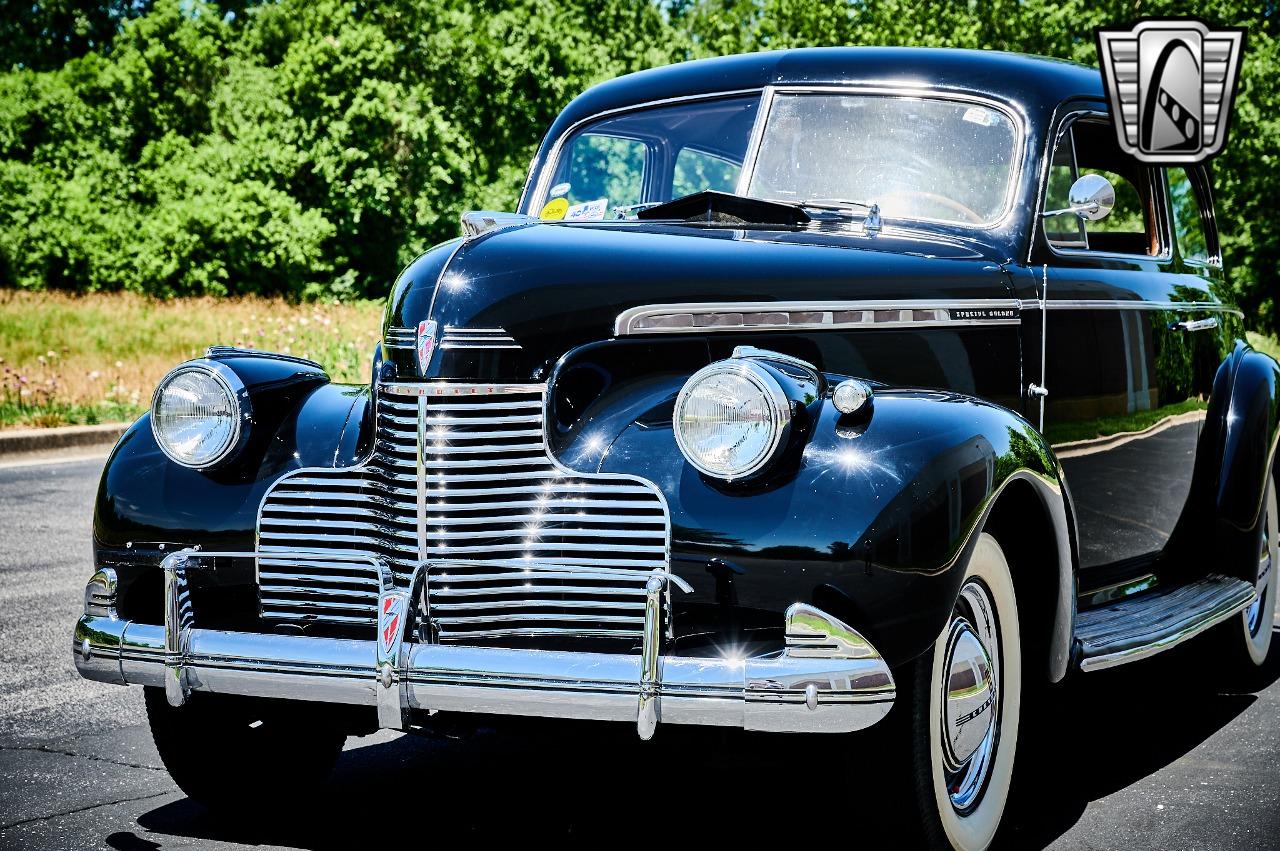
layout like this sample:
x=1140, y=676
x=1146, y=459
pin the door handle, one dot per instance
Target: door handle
x=1193, y=325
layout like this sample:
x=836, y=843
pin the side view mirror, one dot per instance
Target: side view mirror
x=1091, y=198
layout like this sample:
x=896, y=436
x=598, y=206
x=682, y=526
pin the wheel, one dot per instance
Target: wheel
x=1245, y=642
x=239, y=754
x=1256, y=625
x=966, y=698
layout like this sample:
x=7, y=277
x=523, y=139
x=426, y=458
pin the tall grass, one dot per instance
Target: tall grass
x=96, y=358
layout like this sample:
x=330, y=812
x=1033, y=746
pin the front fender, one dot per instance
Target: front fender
x=147, y=505
x=873, y=521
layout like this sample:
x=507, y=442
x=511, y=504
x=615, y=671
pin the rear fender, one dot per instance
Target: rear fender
x=1236, y=454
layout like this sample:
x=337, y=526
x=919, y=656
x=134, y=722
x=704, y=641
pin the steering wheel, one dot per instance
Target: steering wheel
x=970, y=215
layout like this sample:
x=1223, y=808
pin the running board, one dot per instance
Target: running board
x=1141, y=626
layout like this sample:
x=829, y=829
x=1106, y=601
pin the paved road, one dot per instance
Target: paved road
x=1141, y=757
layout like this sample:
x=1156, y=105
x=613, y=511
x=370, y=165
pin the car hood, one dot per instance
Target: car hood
x=528, y=294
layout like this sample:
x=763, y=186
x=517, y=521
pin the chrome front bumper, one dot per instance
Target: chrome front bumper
x=828, y=679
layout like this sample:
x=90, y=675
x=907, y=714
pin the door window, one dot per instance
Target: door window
x=1089, y=147
x=697, y=171
x=1188, y=224
x=603, y=166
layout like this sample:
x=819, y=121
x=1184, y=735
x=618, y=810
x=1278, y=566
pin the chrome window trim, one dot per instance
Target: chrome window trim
x=1163, y=214
x=767, y=94
x=626, y=320
x=538, y=196
x=1214, y=260
x=1020, y=148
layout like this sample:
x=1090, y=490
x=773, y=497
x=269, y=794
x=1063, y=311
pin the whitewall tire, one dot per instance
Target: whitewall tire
x=1256, y=623
x=967, y=694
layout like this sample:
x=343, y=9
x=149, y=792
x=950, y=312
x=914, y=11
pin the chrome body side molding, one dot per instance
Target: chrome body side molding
x=710, y=317
x=699, y=318
x=828, y=678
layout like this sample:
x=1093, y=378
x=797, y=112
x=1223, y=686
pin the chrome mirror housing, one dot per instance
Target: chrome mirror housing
x=1091, y=197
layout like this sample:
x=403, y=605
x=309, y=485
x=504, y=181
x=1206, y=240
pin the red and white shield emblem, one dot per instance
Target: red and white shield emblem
x=389, y=622
x=426, y=343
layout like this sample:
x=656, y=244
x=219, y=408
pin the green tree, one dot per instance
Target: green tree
x=313, y=147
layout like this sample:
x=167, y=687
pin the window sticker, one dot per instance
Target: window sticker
x=559, y=189
x=587, y=211
x=980, y=115
x=554, y=210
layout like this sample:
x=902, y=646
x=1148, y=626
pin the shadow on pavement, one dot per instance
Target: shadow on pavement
x=597, y=783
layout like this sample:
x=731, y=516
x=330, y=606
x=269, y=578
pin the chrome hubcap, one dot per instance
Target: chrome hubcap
x=970, y=696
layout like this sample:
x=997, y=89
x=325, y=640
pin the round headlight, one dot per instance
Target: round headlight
x=196, y=413
x=730, y=418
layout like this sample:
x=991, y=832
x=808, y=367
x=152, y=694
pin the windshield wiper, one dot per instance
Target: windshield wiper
x=632, y=211
x=836, y=204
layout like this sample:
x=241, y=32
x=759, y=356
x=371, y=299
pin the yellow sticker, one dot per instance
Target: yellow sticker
x=554, y=210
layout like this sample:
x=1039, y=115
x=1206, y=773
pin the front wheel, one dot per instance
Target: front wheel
x=966, y=695
x=242, y=755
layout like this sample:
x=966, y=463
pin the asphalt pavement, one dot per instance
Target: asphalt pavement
x=1148, y=756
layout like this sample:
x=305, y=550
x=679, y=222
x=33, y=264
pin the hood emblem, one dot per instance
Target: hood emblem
x=426, y=343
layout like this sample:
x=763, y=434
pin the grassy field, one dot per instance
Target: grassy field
x=96, y=358
x=88, y=359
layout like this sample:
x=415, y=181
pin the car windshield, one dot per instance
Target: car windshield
x=923, y=158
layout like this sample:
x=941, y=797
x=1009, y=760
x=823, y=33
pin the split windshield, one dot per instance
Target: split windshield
x=924, y=158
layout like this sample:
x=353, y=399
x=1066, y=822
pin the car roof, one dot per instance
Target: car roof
x=1019, y=79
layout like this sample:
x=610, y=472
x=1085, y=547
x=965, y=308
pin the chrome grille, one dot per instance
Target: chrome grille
x=477, y=338
x=516, y=544
x=368, y=510
x=401, y=338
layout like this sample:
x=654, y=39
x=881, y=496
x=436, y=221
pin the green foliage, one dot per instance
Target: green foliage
x=1247, y=173
x=301, y=148
x=45, y=34
x=312, y=147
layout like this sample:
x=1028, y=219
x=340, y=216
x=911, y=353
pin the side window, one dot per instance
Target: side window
x=696, y=171
x=1188, y=225
x=602, y=166
x=1089, y=147
x=1066, y=230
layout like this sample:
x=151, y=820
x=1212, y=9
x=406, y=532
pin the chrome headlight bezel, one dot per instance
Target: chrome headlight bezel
x=238, y=401
x=776, y=401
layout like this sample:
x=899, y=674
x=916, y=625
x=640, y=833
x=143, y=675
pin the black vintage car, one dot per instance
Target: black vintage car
x=805, y=388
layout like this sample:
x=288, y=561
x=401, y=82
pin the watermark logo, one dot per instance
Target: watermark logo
x=1171, y=83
